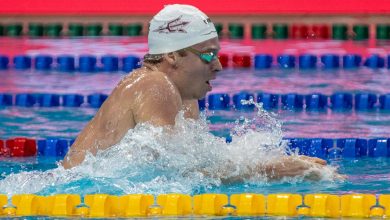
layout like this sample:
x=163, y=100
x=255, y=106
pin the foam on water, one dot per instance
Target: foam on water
x=186, y=158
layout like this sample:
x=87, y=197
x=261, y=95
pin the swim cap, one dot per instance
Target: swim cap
x=178, y=26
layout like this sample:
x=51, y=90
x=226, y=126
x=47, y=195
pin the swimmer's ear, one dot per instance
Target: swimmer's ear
x=171, y=58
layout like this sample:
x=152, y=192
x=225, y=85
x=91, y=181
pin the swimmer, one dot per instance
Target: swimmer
x=177, y=72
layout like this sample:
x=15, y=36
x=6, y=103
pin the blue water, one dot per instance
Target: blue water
x=66, y=122
x=365, y=175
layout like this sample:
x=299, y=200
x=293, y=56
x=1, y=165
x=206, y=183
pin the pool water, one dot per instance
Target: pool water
x=132, y=165
x=40, y=175
x=63, y=122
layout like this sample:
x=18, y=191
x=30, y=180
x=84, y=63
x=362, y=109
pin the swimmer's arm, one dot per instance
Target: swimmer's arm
x=291, y=166
x=288, y=166
x=107, y=128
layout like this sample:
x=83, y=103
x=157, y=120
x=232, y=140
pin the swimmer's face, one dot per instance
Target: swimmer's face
x=197, y=72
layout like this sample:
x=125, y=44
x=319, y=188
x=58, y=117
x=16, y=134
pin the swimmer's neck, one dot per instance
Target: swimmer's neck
x=160, y=67
x=149, y=66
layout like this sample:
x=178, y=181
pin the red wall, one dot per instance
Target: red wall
x=148, y=7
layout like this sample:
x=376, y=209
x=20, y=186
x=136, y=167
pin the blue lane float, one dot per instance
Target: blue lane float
x=378, y=147
x=352, y=147
x=292, y=101
x=110, y=63
x=25, y=100
x=270, y=101
x=351, y=61
x=316, y=101
x=4, y=61
x=48, y=100
x=362, y=145
x=202, y=104
x=53, y=147
x=43, y=62
x=348, y=148
x=286, y=61
x=298, y=145
x=341, y=101
x=65, y=63
x=130, y=62
x=330, y=61
x=319, y=147
x=87, y=63
x=237, y=101
x=307, y=61
x=374, y=61
x=219, y=101
x=384, y=101
x=228, y=139
x=365, y=101
x=96, y=100
x=316, y=147
x=263, y=61
x=5, y=99
x=388, y=61
x=72, y=100
x=22, y=62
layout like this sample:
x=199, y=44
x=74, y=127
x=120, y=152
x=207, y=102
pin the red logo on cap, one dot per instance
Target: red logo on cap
x=176, y=25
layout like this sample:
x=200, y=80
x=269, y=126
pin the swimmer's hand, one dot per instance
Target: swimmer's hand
x=291, y=166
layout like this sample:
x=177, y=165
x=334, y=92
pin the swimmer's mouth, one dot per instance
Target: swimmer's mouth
x=208, y=81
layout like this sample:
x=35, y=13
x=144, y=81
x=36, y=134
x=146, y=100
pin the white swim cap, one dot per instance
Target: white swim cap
x=178, y=26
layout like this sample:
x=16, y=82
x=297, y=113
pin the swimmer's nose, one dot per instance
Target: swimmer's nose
x=216, y=65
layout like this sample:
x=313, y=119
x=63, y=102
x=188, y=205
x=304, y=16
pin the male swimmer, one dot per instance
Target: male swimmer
x=178, y=70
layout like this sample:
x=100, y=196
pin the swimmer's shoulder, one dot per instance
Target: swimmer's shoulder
x=140, y=76
x=144, y=78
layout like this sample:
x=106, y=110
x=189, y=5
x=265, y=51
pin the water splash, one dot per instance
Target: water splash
x=185, y=158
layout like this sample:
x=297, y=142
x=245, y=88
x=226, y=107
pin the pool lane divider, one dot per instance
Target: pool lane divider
x=112, y=63
x=67, y=63
x=340, y=101
x=52, y=100
x=201, y=205
x=307, y=61
x=324, y=148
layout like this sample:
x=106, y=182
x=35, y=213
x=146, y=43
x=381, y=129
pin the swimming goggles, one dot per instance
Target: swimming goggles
x=205, y=56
